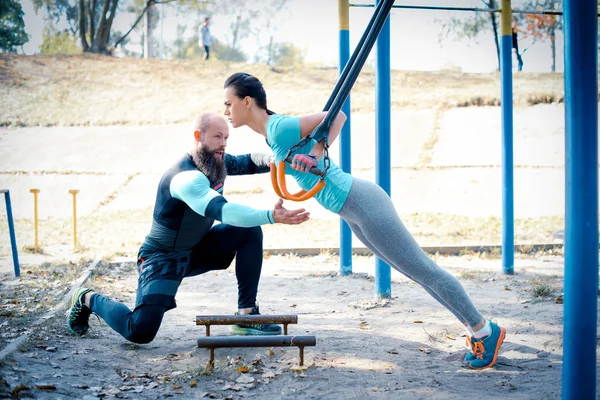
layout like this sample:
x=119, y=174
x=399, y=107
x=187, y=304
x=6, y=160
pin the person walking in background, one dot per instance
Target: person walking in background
x=206, y=38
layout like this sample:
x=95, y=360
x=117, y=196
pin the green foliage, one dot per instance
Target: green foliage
x=12, y=27
x=59, y=43
x=287, y=55
x=224, y=52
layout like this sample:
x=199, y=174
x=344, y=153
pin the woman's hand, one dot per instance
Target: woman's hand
x=304, y=162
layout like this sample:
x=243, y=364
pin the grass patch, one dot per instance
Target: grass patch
x=89, y=89
x=541, y=291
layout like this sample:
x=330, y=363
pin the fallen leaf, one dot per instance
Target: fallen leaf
x=559, y=300
x=193, y=383
x=243, y=369
x=270, y=352
x=450, y=337
x=417, y=321
x=43, y=386
x=506, y=288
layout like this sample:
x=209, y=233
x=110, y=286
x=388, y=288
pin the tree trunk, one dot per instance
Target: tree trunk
x=96, y=45
x=552, y=32
x=84, y=43
x=105, y=33
x=92, y=13
x=492, y=5
x=146, y=35
x=137, y=21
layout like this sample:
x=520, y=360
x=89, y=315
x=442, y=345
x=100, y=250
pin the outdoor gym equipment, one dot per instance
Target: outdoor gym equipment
x=35, y=216
x=11, y=230
x=333, y=106
x=213, y=342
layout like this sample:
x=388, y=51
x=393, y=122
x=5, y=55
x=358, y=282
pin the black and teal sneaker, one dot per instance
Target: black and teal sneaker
x=255, y=329
x=79, y=314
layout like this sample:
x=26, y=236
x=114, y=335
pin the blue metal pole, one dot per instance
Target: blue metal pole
x=345, y=148
x=508, y=215
x=383, y=113
x=11, y=229
x=581, y=214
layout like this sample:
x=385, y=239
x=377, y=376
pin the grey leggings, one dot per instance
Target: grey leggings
x=372, y=217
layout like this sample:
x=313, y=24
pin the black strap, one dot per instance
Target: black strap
x=345, y=83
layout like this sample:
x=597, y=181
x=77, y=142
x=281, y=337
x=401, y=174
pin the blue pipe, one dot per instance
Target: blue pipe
x=508, y=215
x=581, y=214
x=383, y=112
x=345, y=159
x=11, y=229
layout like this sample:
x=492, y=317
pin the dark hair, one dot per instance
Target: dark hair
x=244, y=85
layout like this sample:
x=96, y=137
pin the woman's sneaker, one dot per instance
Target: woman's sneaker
x=486, y=349
x=79, y=314
x=470, y=356
x=255, y=329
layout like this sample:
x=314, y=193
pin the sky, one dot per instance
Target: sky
x=313, y=26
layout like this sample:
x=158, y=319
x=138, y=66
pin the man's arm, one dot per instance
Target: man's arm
x=193, y=188
x=247, y=164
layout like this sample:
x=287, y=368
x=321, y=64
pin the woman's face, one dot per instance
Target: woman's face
x=236, y=109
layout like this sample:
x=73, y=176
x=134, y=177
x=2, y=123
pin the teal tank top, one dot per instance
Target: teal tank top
x=282, y=133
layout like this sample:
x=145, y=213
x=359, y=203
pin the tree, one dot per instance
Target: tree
x=542, y=26
x=472, y=26
x=12, y=27
x=93, y=19
x=286, y=55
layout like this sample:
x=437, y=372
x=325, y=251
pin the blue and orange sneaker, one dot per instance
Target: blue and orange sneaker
x=470, y=356
x=486, y=349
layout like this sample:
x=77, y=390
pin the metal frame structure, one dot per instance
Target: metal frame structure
x=581, y=169
x=11, y=230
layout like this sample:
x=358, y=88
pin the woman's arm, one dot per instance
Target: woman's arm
x=309, y=122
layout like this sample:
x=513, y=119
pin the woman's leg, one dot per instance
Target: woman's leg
x=357, y=231
x=371, y=209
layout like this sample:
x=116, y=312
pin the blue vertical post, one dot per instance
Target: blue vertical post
x=383, y=111
x=11, y=230
x=508, y=214
x=581, y=214
x=344, y=139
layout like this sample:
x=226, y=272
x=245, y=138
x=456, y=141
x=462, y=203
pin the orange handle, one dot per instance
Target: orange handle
x=282, y=187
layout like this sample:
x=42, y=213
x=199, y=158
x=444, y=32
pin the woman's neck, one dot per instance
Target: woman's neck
x=258, y=122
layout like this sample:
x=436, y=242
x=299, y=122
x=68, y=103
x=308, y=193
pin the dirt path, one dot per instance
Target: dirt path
x=408, y=347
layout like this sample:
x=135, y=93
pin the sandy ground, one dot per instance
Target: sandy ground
x=408, y=347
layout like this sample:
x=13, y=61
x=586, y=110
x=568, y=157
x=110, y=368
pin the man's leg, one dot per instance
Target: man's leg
x=206, y=52
x=216, y=251
x=157, y=286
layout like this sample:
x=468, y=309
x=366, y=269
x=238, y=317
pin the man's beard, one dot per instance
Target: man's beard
x=214, y=168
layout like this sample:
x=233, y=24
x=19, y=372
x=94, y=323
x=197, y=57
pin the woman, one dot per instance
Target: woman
x=366, y=208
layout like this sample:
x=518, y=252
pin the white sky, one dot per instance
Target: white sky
x=313, y=25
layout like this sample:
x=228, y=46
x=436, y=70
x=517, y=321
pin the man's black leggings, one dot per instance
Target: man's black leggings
x=160, y=278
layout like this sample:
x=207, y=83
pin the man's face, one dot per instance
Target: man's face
x=210, y=152
x=214, y=139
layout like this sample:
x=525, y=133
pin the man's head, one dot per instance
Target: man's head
x=206, y=21
x=210, y=140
